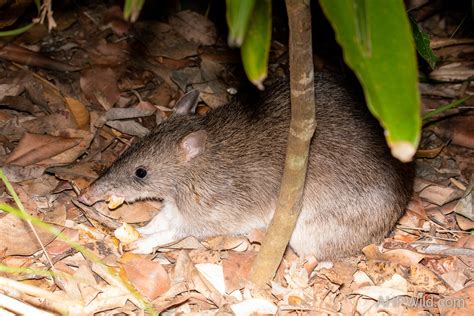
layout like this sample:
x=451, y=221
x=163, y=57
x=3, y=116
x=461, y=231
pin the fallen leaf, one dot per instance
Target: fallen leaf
x=254, y=306
x=194, y=27
x=79, y=112
x=236, y=268
x=422, y=279
x=147, y=276
x=16, y=238
x=464, y=223
x=440, y=195
x=380, y=293
x=34, y=148
x=455, y=279
x=100, y=86
x=226, y=243
x=128, y=113
x=129, y=127
x=214, y=275
x=458, y=303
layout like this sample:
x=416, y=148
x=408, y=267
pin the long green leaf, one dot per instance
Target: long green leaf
x=238, y=13
x=132, y=9
x=422, y=44
x=256, y=45
x=378, y=45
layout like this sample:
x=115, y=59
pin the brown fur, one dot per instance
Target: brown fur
x=354, y=194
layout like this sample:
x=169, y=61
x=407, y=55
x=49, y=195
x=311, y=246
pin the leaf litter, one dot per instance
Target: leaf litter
x=73, y=100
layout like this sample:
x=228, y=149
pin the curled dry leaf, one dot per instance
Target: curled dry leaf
x=79, y=112
x=147, y=276
x=34, y=148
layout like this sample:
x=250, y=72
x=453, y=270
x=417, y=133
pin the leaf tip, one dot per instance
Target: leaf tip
x=403, y=150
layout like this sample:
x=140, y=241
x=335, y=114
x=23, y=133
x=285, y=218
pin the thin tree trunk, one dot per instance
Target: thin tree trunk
x=302, y=128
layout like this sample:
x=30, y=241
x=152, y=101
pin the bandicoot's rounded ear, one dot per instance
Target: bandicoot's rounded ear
x=187, y=104
x=193, y=144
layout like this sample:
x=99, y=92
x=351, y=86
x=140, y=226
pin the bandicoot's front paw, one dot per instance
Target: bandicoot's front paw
x=144, y=246
x=148, y=243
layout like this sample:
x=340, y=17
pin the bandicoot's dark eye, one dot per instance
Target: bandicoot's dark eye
x=140, y=172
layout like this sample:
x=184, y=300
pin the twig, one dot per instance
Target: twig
x=19, y=307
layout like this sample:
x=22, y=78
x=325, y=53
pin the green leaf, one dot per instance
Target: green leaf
x=132, y=8
x=17, y=31
x=256, y=45
x=422, y=44
x=443, y=108
x=238, y=13
x=378, y=45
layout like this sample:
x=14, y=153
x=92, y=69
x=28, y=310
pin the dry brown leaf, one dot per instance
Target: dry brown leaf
x=100, y=86
x=164, y=41
x=459, y=129
x=464, y=223
x=226, y=243
x=34, y=148
x=466, y=242
x=79, y=112
x=73, y=153
x=194, y=27
x=236, y=269
x=128, y=113
x=49, y=124
x=455, y=279
x=16, y=238
x=422, y=279
x=58, y=247
x=147, y=276
x=459, y=303
x=440, y=195
x=379, y=271
x=137, y=212
x=129, y=127
x=22, y=173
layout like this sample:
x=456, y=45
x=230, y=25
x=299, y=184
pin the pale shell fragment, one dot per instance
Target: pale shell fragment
x=126, y=233
x=115, y=201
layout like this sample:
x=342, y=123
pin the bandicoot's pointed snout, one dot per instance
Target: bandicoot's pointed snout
x=85, y=198
x=89, y=196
